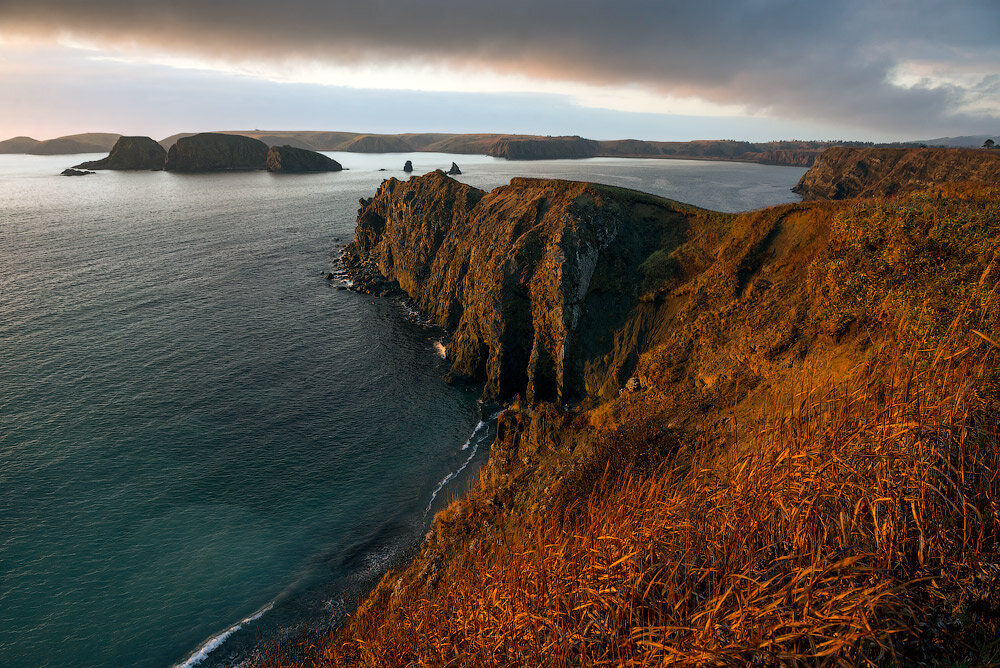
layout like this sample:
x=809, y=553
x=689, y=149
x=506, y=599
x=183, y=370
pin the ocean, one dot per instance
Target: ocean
x=204, y=444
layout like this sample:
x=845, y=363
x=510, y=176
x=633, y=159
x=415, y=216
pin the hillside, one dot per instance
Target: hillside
x=841, y=172
x=91, y=142
x=767, y=437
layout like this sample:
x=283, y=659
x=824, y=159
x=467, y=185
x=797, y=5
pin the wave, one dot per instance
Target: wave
x=479, y=434
x=211, y=644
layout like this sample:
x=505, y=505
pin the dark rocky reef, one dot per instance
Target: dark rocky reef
x=543, y=148
x=533, y=278
x=214, y=152
x=292, y=160
x=131, y=153
x=841, y=172
x=75, y=172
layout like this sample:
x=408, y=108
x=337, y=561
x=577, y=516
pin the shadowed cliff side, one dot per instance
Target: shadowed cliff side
x=534, y=278
x=840, y=172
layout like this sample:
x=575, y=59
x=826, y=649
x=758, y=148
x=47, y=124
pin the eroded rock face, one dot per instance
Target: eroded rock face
x=214, y=152
x=131, y=153
x=840, y=172
x=292, y=160
x=532, y=277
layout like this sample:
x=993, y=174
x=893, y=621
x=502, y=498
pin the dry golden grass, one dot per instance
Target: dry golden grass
x=856, y=528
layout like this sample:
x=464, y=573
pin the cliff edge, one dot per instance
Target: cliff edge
x=841, y=172
x=533, y=277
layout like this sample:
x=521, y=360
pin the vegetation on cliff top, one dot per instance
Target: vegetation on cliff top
x=803, y=473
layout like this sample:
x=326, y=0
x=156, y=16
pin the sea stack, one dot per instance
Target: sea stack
x=131, y=153
x=291, y=160
x=214, y=152
x=454, y=171
x=407, y=166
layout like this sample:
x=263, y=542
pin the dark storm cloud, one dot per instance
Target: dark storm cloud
x=819, y=60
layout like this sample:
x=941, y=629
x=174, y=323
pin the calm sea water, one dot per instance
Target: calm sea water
x=197, y=431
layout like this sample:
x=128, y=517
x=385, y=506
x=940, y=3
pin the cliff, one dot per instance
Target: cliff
x=786, y=451
x=841, y=172
x=532, y=277
x=291, y=160
x=131, y=153
x=214, y=152
x=515, y=147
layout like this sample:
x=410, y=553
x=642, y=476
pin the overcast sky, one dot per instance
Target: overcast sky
x=658, y=69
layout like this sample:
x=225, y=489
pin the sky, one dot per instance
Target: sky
x=759, y=70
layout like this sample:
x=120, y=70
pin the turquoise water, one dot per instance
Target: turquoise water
x=196, y=427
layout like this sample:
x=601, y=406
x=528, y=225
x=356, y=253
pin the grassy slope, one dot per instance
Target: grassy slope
x=806, y=472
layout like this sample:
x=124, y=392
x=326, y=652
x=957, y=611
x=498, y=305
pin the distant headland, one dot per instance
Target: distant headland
x=799, y=153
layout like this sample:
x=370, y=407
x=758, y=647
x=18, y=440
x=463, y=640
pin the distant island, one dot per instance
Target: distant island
x=211, y=152
x=798, y=153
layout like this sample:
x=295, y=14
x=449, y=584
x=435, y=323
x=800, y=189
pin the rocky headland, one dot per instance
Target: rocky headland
x=292, y=160
x=215, y=152
x=131, y=153
x=699, y=404
x=840, y=172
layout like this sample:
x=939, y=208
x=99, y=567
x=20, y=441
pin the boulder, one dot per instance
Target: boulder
x=292, y=160
x=214, y=152
x=131, y=153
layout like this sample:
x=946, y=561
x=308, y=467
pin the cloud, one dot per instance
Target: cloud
x=836, y=61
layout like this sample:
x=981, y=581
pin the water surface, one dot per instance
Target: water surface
x=196, y=427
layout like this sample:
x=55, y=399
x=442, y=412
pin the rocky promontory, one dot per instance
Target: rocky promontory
x=841, y=172
x=533, y=278
x=215, y=152
x=515, y=147
x=131, y=153
x=292, y=160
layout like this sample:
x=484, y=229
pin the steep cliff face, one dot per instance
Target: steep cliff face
x=291, y=160
x=534, y=278
x=543, y=148
x=841, y=172
x=214, y=152
x=131, y=153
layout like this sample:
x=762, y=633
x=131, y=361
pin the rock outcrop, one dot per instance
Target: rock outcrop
x=131, y=153
x=214, y=152
x=516, y=147
x=75, y=172
x=291, y=160
x=841, y=172
x=454, y=171
x=532, y=277
x=408, y=166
